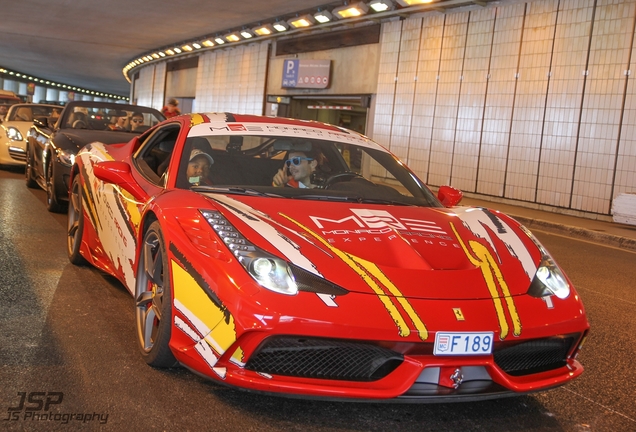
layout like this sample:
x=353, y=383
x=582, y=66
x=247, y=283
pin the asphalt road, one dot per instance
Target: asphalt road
x=67, y=344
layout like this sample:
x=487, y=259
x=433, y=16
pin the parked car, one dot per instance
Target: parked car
x=7, y=98
x=52, y=145
x=360, y=284
x=14, y=129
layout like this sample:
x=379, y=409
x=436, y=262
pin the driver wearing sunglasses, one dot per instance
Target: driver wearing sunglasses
x=297, y=172
x=136, y=120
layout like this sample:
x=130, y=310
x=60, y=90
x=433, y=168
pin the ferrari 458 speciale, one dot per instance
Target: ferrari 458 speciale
x=351, y=280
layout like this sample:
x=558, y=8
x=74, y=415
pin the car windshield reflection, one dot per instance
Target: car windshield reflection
x=308, y=169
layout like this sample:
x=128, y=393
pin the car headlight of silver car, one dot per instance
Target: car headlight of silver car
x=67, y=157
x=14, y=134
x=267, y=270
x=549, y=279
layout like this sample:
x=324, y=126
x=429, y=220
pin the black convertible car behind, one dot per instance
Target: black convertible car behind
x=52, y=143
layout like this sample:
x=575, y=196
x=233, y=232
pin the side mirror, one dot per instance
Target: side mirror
x=42, y=122
x=118, y=173
x=449, y=196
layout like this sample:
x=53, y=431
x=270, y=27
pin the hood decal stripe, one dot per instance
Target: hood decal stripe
x=373, y=276
x=480, y=256
x=256, y=220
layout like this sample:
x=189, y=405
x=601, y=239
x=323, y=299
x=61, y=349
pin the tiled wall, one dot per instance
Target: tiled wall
x=227, y=80
x=529, y=101
x=150, y=86
x=232, y=80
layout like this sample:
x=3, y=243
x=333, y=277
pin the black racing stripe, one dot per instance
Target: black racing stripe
x=199, y=279
x=242, y=213
x=496, y=221
x=125, y=215
x=90, y=198
x=230, y=117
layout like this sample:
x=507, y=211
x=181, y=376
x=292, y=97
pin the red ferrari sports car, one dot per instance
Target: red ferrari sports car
x=300, y=258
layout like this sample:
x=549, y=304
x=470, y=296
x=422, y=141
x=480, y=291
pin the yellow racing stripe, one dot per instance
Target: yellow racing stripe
x=202, y=312
x=492, y=275
x=196, y=119
x=368, y=271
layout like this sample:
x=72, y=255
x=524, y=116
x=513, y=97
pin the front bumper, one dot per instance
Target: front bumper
x=418, y=376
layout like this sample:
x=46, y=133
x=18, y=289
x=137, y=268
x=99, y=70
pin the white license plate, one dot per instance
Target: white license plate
x=463, y=343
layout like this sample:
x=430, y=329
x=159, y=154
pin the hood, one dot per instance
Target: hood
x=416, y=252
x=75, y=139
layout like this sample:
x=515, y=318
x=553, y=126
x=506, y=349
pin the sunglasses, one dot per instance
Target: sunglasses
x=137, y=121
x=296, y=160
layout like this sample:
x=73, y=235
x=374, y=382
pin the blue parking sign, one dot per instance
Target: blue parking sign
x=290, y=73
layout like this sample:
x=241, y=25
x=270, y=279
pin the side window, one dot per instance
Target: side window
x=153, y=157
x=196, y=163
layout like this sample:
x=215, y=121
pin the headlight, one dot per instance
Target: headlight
x=67, y=157
x=269, y=271
x=14, y=134
x=548, y=280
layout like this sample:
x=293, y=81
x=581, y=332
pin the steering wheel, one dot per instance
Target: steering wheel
x=338, y=177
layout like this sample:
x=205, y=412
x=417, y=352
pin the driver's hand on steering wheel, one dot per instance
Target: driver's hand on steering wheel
x=280, y=178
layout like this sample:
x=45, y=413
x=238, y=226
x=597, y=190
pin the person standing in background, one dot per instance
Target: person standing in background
x=171, y=109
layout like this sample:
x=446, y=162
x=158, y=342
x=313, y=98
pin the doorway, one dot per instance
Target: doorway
x=347, y=111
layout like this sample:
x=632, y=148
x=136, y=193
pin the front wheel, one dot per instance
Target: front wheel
x=52, y=203
x=153, y=300
x=75, y=224
x=28, y=170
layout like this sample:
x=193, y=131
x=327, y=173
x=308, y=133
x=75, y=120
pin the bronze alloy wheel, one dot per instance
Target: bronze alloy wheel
x=153, y=300
x=75, y=224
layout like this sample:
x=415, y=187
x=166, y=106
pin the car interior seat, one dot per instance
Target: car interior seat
x=24, y=114
x=77, y=120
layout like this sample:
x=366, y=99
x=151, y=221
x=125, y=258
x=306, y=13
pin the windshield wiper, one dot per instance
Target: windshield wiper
x=383, y=201
x=354, y=199
x=327, y=198
x=234, y=190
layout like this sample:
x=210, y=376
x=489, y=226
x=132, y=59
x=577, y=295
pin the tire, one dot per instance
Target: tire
x=28, y=171
x=52, y=204
x=75, y=224
x=153, y=300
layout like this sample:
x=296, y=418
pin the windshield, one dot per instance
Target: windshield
x=110, y=117
x=304, y=169
x=29, y=112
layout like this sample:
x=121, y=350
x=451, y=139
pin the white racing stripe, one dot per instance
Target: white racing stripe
x=263, y=225
x=476, y=220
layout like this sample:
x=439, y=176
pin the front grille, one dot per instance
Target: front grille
x=323, y=359
x=17, y=154
x=534, y=356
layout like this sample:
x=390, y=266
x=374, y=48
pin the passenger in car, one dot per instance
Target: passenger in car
x=297, y=172
x=55, y=115
x=119, y=123
x=199, y=168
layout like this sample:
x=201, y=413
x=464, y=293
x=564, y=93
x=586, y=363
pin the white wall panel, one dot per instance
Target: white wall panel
x=556, y=166
x=444, y=124
x=529, y=109
x=471, y=101
x=500, y=99
x=425, y=93
x=602, y=105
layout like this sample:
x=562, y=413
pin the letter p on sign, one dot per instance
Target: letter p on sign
x=289, y=66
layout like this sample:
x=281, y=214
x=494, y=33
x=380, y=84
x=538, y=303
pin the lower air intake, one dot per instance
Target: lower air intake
x=534, y=356
x=323, y=359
